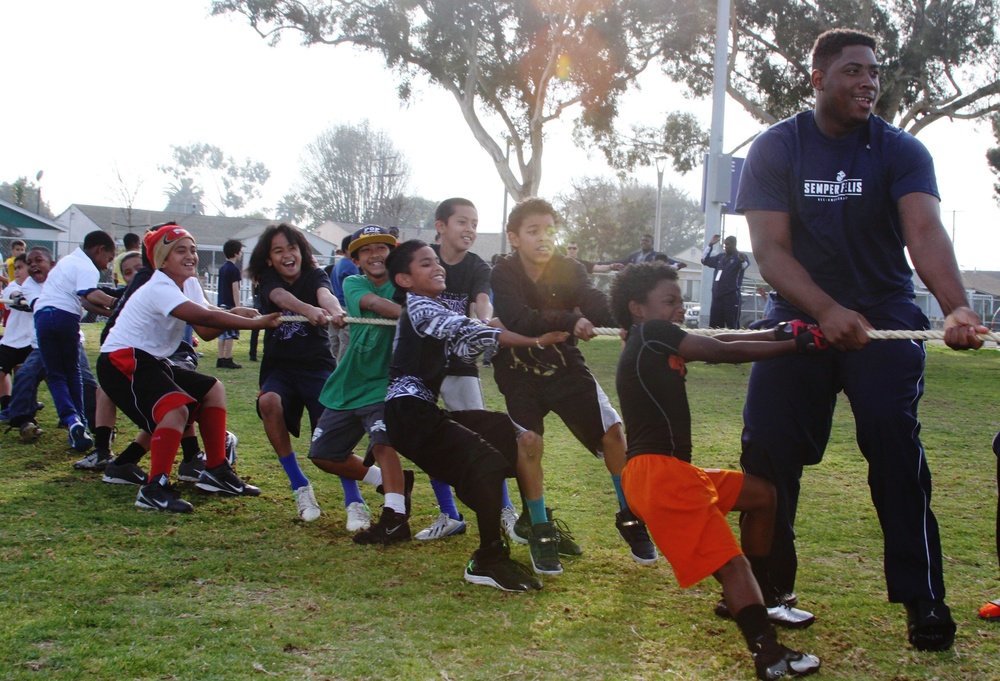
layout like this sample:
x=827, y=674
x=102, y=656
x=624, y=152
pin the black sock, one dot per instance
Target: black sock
x=759, y=567
x=102, y=438
x=753, y=623
x=189, y=447
x=4, y=401
x=133, y=454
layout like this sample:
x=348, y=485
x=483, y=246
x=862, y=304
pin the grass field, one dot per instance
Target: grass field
x=92, y=588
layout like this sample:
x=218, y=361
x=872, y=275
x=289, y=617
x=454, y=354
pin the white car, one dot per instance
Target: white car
x=691, y=316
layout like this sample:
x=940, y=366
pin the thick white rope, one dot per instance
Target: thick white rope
x=874, y=334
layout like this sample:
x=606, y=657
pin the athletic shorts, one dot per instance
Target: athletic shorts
x=338, y=432
x=298, y=389
x=146, y=388
x=458, y=448
x=462, y=393
x=574, y=395
x=11, y=358
x=684, y=508
x=230, y=334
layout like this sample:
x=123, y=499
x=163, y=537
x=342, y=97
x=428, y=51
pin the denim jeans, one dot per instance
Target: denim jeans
x=24, y=394
x=59, y=341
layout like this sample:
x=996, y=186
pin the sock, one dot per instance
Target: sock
x=133, y=454
x=753, y=623
x=446, y=502
x=189, y=447
x=4, y=401
x=212, y=425
x=758, y=565
x=295, y=475
x=352, y=494
x=536, y=510
x=102, y=438
x=616, y=480
x=373, y=476
x=505, y=495
x=163, y=451
x=396, y=501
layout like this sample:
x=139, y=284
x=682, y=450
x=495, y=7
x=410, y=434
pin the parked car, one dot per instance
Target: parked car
x=691, y=315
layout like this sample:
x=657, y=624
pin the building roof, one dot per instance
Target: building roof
x=982, y=282
x=208, y=230
x=13, y=216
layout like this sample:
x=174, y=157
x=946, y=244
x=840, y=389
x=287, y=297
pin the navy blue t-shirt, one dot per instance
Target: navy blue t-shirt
x=841, y=195
x=229, y=274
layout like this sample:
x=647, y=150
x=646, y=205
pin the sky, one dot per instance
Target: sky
x=106, y=87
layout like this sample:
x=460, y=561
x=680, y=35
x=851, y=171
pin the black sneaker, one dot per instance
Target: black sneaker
x=543, y=547
x=791, y=663
x=408, y=480
x=929, y=625
x=124, y=474
x=493, y=566
x=30, y=431
x=227, y=364
x=231, y=442
x=223, y=479
x=97, y=460
x=190, y=471
x=567, y=544
x=159, y=495
x=633, y=531
x=391, y=528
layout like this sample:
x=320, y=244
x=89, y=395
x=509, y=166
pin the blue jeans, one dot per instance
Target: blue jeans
x=59, y=341
x=24, y=395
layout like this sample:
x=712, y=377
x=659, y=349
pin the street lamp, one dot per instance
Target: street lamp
x=38, y=202
x=661, y=165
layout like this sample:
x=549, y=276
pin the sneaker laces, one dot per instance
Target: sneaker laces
x=562, y=529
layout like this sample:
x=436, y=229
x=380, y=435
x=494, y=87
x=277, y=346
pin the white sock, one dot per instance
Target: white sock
x=373, y=476
x=396, y=501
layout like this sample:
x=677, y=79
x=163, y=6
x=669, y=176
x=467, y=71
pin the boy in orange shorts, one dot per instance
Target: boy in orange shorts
x=683, y=506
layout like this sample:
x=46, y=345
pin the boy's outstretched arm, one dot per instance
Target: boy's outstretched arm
x=209, y=323
x=785, y=339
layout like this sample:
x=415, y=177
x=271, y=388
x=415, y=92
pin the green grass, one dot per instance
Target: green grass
x=93, y=588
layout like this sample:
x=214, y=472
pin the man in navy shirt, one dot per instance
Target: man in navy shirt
x=729, y=267
x=831, y=197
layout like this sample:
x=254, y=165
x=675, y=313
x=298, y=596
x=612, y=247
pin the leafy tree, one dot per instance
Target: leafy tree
x=513, y=66
x=939, y=60
x=236, y=184
x=185, y=197
x=25, y=194
x=607, y=218
x=352, y=173
x=290, y=209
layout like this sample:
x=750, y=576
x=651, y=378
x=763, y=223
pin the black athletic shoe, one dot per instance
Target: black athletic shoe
x=223, y=479
x=408, y=480
x=493, y=566
x=97, y=460
x=391, y=528
x=567, y=544
x=159, y=495
x=633, y=531
x=929, y=625
x=774, y=661
x=780, y=611
x=543, y=545
x=190, y=471
x=125, y=474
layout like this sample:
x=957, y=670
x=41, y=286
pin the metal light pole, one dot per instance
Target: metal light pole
x=661, y=165
x=38, y=202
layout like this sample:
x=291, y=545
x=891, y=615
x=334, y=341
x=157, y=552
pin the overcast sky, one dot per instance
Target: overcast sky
x=113, y=83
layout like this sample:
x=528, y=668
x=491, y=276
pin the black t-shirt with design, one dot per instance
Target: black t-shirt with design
x=295, y=345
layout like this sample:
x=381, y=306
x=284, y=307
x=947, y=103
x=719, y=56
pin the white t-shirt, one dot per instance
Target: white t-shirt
x=72, y=275
x=20, y=329
x=145, y=322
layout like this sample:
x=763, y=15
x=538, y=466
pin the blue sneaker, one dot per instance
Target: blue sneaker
x=78, y=437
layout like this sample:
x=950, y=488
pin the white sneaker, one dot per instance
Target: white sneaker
x=358, y=517
x=789, y=617
x=444, y=526
x=305, y=500
x=508, y=518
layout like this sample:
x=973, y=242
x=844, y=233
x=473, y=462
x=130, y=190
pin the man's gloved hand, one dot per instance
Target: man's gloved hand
x=808, y=337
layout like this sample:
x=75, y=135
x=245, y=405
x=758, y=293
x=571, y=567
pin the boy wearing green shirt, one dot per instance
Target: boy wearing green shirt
x=354, y=394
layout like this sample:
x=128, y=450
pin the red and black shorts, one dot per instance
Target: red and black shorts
x=145, y=388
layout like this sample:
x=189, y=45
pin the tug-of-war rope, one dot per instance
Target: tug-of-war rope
x=874, y=334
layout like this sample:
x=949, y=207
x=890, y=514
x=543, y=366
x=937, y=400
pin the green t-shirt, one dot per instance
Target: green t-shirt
x=362, y=376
